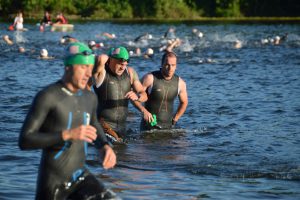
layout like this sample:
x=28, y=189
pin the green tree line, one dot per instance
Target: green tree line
x=154, y=9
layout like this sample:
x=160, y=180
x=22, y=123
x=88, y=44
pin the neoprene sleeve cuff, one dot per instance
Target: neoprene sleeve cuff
x=99, y=144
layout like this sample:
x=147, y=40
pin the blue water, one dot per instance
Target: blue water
x=239, y=137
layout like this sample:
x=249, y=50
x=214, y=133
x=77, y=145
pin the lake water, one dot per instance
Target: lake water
x=239, y=137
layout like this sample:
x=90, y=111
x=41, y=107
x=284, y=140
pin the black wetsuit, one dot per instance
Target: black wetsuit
x=113, y=106
x=161, y=100
x=62, y=172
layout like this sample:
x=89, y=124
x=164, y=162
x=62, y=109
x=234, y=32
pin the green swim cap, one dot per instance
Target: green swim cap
x=80, y=54
x=119, y=53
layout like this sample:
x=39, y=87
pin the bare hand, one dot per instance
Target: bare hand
x=84, y=133
x=102, y=59
x=147, y=116
x=110, y=158
x=132, y=96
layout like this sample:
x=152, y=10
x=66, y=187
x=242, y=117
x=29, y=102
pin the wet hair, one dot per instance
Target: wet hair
x=166, y=55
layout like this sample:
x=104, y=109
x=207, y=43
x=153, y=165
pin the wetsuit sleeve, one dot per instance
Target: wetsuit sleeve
x=101, y=138
x=30, y=136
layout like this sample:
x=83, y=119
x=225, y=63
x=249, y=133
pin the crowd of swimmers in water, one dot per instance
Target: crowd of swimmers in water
x=168, y=42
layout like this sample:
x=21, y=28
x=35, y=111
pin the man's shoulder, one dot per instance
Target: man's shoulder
x=149, y=75
x=180, y=78
x=48, y=89
x=89, y=93
x=130, y=69
x=176, y=76
x=181, y=81
x=48, y=94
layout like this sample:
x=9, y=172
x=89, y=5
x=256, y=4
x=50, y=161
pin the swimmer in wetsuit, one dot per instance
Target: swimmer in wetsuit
x=62, y=121
x=116, y=84
x=163, y=87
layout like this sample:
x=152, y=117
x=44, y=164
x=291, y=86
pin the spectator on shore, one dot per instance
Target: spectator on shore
x=61, y=19
x=18, y=22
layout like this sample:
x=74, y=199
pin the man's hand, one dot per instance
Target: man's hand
x=110, y=158
x=102, y=59
x=147, y=116
x=83, y=132
x=132, y=96
x=174, y=122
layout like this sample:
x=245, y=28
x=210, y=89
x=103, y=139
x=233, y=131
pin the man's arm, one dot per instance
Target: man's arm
x=147, y=81
x=183, y=101
x=139, y=93
x=101, y=137
x=99, y=69
x=109, y=159
x=30, y=136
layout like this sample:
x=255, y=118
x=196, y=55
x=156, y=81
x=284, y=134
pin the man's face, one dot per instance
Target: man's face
x=117, y=66
x=81, y=75
x=169, y=67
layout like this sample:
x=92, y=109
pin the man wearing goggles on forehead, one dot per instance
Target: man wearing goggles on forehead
x=115, y=84
x=62, y=121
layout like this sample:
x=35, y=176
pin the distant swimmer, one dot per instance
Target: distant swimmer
x=145, y=36
x=170, y=33
x=206, y=60
x=138, y=52
x=66, y=39
x=162, y=87
x=264, y=41
x=109, y=35
x=115, y=85
x=171, y=44
x=237, y=44
x=94, y=46
x=21, y=49
x=61, y=122
x=197, y=33
x=44, y=55
x=277, y=40
x=7, y=40
x=149, y=53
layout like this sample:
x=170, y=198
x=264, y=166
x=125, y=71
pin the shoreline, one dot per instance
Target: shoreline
x=212, y=20
x=246, y=20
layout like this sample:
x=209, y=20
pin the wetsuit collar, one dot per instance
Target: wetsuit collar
x=69, y=92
